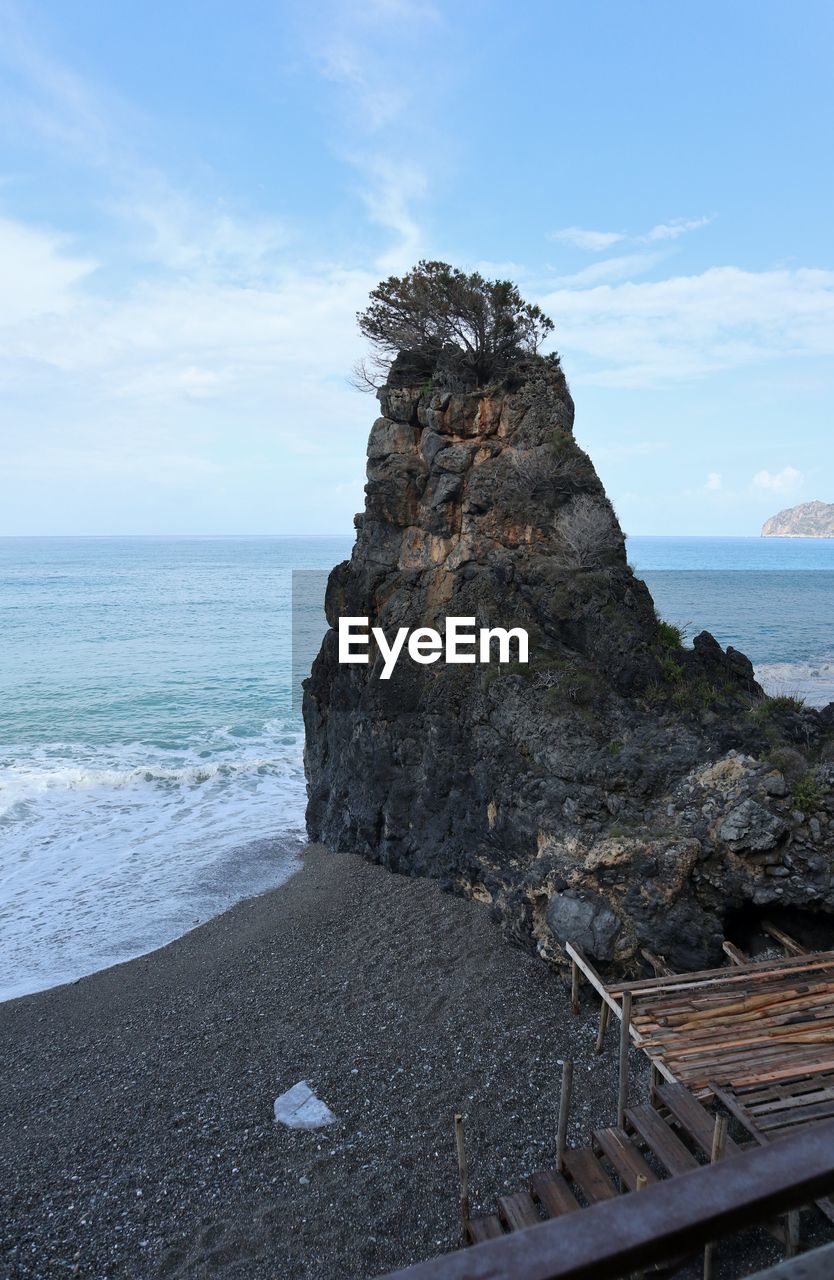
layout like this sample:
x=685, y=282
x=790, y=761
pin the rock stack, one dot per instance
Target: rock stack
x=618, y=790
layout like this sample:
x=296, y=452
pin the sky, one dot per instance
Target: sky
x=196, y=198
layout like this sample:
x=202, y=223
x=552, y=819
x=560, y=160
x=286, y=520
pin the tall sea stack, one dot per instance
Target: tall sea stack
x=619, y=790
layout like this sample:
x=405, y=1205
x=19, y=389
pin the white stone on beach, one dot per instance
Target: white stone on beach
x=299, y=1108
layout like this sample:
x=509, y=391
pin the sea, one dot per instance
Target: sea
x=151, y=767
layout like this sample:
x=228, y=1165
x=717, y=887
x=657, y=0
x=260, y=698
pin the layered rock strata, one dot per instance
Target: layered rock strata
x=620, y=790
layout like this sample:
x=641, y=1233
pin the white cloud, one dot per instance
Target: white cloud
x=788, y=480
x=372, y=53
x=624, y=267
x=177, y=232
x=391, y=189
x=597, y=241
x=713, y=482
x=684, y=327
x=677, y=227
x=581, y=238
x=37, y=272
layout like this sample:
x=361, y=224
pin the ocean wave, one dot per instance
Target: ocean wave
x=812, y=681
x=108, y=850
x=21, y=781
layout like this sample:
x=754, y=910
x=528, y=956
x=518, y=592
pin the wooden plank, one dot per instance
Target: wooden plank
x=728, y=1099
x=749, y=1008
x=755, y=1094
x=625, y=1031
x=693, y=1117
x=657, y=1135
x=813, y=1030
x=667, y=1220
x=553, y=1193
x=784, y=939
x=662, y=969
x=796, y=1115
x=589, y=1175
x=620, y=1151
x=518, y=1211
x=815, y=999
x=807, y=1058
x=780, y=1073
x=791, y=965
x=732, y=978
x=480, y=1229
x=788, y=1101
x=734, y=953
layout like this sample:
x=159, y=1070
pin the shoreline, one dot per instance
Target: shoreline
x=136, y=1114
x=294, y=864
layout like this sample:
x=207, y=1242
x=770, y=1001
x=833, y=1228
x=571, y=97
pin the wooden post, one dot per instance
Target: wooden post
x=564, y=1110
x=719, y=1138
x=792, y=1233
x=604, y=1011
x=654, y=1079
x=464, y=1177
x=625, y=1035
x=640, y=1185
x=574, y=986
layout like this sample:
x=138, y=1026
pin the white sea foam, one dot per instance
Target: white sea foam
x=811, y=681
x=108, y=853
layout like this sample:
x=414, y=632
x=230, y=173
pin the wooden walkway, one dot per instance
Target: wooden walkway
x=752, y=1024
x=656, y=1142
x=756, y=1036
x=771, y=1110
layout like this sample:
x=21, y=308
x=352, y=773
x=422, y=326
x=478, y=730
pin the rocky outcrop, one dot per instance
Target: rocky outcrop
x=620, y=789
x=808, y=520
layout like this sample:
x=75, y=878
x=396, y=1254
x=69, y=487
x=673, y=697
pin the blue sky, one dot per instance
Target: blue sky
x=196, y=198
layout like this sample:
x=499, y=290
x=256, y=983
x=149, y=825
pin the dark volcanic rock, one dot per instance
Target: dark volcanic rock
x=619, y=789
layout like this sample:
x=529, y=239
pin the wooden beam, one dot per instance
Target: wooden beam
x=719, y=1139
x=574, y=987
x=464, y=1176
x=736, y=1109
x=625, y=1028
x=735, y=954
x=577, y=954
x=604, y=1014
x=789, y=965
x=669, y=1219
x=785, y=940
x=564, y=1110
x=662, y=969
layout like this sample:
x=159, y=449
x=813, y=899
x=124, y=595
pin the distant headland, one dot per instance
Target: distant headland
x=808, y=520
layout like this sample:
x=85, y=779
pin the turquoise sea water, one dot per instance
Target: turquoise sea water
x=150, y=757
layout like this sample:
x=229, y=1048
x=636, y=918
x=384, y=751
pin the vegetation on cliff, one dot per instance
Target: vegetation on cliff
x=436, y=310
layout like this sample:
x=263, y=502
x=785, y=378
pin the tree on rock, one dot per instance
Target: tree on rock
x=484, y=324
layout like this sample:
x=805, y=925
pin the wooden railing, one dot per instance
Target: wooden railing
x=662, y=1222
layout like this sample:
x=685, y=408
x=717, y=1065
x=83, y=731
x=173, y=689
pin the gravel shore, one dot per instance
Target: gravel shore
x=136, y=1117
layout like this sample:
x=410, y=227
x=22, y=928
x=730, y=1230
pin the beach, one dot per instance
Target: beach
x=137, y=1104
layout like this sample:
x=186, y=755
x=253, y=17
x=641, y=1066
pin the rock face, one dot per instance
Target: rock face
x=620, y=790
x=808, y=520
